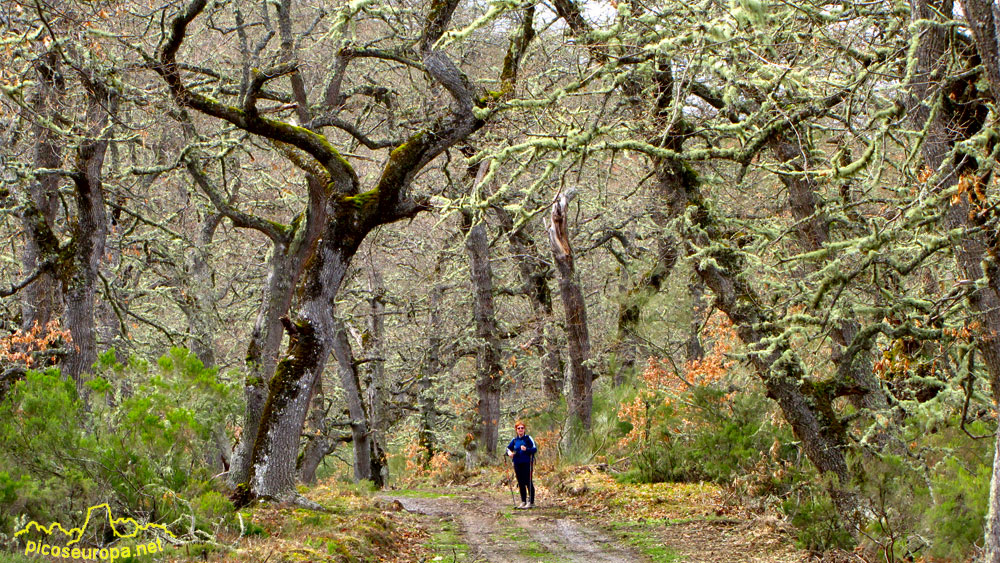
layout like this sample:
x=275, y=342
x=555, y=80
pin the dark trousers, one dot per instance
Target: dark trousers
x=524, y=482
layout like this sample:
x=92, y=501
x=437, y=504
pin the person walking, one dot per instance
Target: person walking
x=521, y=451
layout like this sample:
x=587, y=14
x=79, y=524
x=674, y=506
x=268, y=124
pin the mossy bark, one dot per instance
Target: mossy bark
x=778, y=367
x=854, y=360
x=953, y=114
x=265, y=342
x=289, y=255
x=821, y=433
x=276, y=447
x=90, y=231
x=42, y=300
x=271, y=476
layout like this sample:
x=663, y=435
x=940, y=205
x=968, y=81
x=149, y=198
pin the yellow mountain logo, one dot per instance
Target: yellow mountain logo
x=122, y=528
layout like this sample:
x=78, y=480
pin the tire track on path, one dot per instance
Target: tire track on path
x=495, y=532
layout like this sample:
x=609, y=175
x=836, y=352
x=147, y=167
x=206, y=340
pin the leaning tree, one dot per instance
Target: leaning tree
x=343, y=205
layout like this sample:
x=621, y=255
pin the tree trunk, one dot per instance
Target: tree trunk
x=432, y=368
x=288, y=259
x=578, y=339
x=311, y=339
x=317, y=448
x=813, y=232
x=553, y=375
x=950, y=124
x=316, y=444
x=375, y=381
x=199, y=303
x=321, y=442
x=807, y=407
x=272, y=472
x=315, y=452
x=198, y=306
x=262, y=355
x=89, y=233
x=627, y=344
x=489, y=374
x=219, y=452
x=535, y=275
x=633, y=299
x=41, y=301
x=348, y=372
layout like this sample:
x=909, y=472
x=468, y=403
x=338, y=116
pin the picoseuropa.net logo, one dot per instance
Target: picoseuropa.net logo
x=123, y=528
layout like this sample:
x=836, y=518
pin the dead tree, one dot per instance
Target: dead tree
x=577, y=336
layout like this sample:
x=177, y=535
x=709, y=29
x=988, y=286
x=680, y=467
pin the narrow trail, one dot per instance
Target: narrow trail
x=495, y=532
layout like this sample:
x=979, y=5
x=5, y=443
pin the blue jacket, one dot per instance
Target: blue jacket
x=526, y=455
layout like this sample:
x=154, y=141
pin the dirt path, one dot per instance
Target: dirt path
x=495, y=532
x=557, y=532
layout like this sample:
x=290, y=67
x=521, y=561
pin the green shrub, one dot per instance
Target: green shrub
x=212, y=505
x=955, y=522
x=893, y=494
x=139, y=443
x=709, y=438
x=818, y=527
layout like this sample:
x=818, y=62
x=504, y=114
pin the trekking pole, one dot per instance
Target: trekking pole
x=531, y=479
x=510, y=480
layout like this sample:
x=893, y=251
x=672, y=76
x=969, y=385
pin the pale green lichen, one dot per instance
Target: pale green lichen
x=497, y=8
x=345, y=15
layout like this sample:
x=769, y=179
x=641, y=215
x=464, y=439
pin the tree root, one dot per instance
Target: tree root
x=243, y=496
x=299, y=501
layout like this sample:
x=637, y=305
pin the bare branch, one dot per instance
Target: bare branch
x=309, y=141
x=42, y=268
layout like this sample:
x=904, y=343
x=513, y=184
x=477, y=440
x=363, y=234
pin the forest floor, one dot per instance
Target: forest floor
x=588, y=518
x=582, y=515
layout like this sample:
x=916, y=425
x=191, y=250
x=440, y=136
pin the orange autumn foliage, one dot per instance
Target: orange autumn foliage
x=418, y=466
x=662, y=385
x=23, y=347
